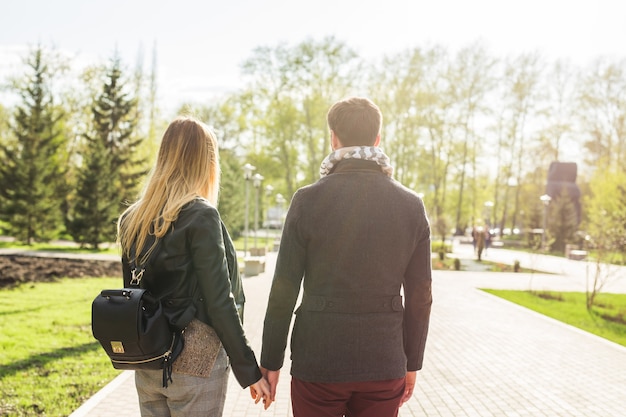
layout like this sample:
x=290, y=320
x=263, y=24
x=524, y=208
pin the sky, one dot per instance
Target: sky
x=200, y=45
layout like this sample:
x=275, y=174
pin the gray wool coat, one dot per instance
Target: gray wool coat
x=359, y=243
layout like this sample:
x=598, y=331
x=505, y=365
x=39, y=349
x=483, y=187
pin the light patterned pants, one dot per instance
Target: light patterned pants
x=186, y=396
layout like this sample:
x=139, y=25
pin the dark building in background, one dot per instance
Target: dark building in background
x=562, y=176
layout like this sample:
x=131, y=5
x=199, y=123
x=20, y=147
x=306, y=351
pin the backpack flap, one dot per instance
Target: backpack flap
x=130, y=327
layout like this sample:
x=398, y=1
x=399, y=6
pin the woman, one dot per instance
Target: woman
x=174, y=231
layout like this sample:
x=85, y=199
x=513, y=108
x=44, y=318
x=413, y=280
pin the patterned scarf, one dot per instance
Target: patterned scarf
x=366, y=153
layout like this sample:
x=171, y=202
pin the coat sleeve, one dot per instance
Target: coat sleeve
x=210, y=262
x=236, y=285
x=418, y=298
x=284, y=292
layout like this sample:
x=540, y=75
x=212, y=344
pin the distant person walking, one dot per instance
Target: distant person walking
x=480, y=242
x=356, y=239
x=176, y=230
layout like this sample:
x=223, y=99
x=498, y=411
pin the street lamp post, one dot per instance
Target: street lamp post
x=247, y=175
x=546, y=202
x=256, y=181
x=268, y=193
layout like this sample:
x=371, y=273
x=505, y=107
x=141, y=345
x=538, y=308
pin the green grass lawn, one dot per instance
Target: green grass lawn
x=448, y=264
x=607, y=320
x=261, y=241
x=49, y=361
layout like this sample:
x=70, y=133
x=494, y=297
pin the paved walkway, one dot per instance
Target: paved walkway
x=484, y=356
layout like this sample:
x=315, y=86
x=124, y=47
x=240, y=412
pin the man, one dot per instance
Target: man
x=356, y=239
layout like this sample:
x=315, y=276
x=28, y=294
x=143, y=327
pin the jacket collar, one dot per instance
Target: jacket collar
x=356, y=165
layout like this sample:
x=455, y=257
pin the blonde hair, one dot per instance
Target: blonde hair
x=187, y=166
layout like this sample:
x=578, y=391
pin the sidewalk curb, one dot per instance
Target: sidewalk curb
x=96, y=400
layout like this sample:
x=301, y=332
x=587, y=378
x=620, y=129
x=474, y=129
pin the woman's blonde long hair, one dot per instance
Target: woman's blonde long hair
x=187, y=166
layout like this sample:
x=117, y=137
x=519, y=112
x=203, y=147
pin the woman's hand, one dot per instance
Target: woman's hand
x=261, y=389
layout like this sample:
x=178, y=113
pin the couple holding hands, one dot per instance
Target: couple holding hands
x=357, y=242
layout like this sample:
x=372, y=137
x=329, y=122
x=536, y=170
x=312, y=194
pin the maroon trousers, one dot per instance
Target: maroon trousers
x=350, y=399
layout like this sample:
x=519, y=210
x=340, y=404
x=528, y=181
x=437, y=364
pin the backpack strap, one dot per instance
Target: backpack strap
x=137, y=271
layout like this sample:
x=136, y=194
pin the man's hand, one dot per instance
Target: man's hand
x=409, y=386
x=272, y=378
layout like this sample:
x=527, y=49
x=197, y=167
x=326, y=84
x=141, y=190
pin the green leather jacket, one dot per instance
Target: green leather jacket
x=197, y=256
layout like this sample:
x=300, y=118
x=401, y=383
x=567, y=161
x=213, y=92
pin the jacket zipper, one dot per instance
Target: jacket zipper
x=165, y=355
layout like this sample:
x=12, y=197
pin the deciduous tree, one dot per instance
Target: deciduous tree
x=291, y=89
x=602, y=113
x=606, y=214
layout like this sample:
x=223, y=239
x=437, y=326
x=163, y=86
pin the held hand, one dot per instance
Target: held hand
x=272, y=378
x=261, y=389
x=409, y=386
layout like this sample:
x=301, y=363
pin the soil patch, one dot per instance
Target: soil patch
x=617, y=318
x=18, y=269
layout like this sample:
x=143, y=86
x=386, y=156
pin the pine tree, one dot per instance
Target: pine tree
x=4, y=138
x=110, y=172
x=33, y=170
x=97, y=205
x=115, y=123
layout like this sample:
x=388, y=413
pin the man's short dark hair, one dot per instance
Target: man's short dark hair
x=356, y=121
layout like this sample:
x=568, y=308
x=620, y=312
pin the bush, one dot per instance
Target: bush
x=457, y=264
x=438, y=247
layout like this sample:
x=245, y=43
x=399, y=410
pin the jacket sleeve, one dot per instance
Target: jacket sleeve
x=208, y=251
x=418, y=299
x=288, y=276
x=236, y=285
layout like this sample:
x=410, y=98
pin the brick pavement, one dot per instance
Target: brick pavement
x=484, y=356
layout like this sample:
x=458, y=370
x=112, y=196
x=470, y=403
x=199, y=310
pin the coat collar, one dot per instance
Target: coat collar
x=356, y=165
